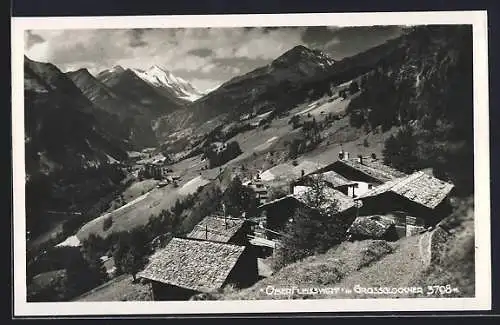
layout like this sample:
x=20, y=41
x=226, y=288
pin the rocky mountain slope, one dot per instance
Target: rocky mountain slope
x=135, y=120
x=128, y=85
x=62, y=126
x=251, y=91
x=66, y=144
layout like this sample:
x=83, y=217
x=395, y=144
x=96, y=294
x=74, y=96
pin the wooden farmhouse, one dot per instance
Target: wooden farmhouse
x=419, y=196
x=280, y=211
x=356, y=176
x=187, y=267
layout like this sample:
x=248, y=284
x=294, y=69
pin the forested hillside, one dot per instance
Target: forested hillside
x=425, y=88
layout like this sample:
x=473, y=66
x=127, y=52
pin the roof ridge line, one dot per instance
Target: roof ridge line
x=205, y=241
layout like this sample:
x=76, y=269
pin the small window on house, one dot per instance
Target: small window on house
x=370, y=186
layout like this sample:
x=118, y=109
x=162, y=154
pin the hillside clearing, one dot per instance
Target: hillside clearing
x=193, y=185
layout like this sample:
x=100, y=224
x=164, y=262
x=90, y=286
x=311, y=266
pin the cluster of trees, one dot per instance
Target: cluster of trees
x=311, y=132
x=351, y=90
x=219, y=157
x=239, y=198
x=377, y=105
x=313, y=229
x=131, y=252
x=295, y=122
x=400, y=150
x=107, y=223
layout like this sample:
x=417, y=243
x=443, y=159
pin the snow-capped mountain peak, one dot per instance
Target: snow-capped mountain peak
x=160, y=77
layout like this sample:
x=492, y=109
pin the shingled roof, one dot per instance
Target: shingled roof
x=418, y=187
x=372, y=227
x=333, y=178
x=287, y=171
x=343, y=201
x=373, y=168
x=193, y=264
x=216, y=228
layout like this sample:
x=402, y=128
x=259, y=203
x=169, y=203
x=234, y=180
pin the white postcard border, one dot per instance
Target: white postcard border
x=482, y=301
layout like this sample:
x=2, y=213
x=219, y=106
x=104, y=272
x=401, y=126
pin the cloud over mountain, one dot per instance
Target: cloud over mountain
x=205, y=56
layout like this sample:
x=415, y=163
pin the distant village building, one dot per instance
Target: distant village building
x=421, y=196
x=260, y=189
x=187, y=267
x=155, y=169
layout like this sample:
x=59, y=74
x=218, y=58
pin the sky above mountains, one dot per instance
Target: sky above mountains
x=206, y=57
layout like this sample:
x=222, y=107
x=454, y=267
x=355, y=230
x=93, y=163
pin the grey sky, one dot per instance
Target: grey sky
x=204, y=56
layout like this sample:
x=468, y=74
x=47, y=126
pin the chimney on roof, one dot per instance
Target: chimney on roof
x=206, y=231
x=341, y=153
x=360, y=159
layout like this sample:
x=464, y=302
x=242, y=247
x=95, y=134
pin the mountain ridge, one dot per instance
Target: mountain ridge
x=165, y=80
x=135, y=120
x=127, y=84
x=242, y=92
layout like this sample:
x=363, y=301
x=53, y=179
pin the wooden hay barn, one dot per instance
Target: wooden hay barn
x=419, y=195
x=222, y=229
x=186, y=267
